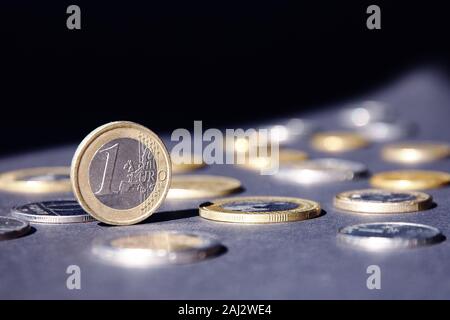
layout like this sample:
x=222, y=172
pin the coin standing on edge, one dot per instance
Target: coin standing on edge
x=389, y=235
x=322, y=170
x=410, y=179
x=37, y=180
x=11, y=228
x=52, y=212
x=261, y=209
x=156, y=248
x=338, y=141
x=415, y=152
x=382, y=201
x=121, y=173
x=202, y=186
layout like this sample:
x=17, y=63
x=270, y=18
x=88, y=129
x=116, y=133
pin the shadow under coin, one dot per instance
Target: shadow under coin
x=163, y=217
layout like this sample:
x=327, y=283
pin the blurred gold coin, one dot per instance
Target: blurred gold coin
x=37, y=180
x=179, y=167
x=285, y=157
x=415, y=152
x=262, y=209
x=410, y=179
x=338, y=141
x=202, y=186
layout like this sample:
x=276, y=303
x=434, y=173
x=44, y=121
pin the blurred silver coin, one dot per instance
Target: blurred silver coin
x=322, y=171
x=367, y=112
x=147, y=249
x=389, y=235
x=13, y=228
x=291, y=130
x=387, y=131
x=54, y=212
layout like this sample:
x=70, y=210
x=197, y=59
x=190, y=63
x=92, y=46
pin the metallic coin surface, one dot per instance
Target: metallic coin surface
x=410, y=179
x=322, y=170
x=156, y=248
x=11, y=228
x=286, y=157
x=387, y=131
x=52, y=212
x=389, y=235
x=121, y=173
x=338, y=141
x=382, y=201
x=37, y=180
x=415, y=152
x=290, y=130
x=365, y=113
x=186, y=164
x=261, y=209
x=202, y=186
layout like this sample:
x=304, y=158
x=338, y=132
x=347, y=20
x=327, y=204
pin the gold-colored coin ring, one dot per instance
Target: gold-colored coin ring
x=415, y=152
x=306, y=209
x=343, y=201
x=338, y=141
x=86, y=152
x=202, y=186
x=410, y=179
x=17, y=180
x=285, y=157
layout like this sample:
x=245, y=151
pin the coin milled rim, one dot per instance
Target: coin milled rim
x=16, y=233
x=415, y=152
x=145, y=257
x=80, y=173
x=343, y=201
x=306, y=209
x=410, y=179
x=47, y=219
x=231, y=185
x=384, y=243
x=349, y=141
x=12, y=181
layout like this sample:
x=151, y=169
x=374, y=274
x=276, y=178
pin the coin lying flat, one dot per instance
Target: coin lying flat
x=53, y=212
x=291, y=130
x=156, y=248
x=338, y=141
x=37, y=180
x=322, y=171
x=382, y=201
x=285, y=157
x=389, y=235
x=11, y=228
x=178, y=166
x=415, y=152
x=121, y=173
x=202, y=186
x=366, y=112
x=260, y=209
x=410, y=179
x=387, y=131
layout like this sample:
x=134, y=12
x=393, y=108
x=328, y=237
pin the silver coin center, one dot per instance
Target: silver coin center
x=258, y=206
x=391, y=197
x=122, y=173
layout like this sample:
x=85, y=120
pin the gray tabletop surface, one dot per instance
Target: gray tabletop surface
x=298, y=260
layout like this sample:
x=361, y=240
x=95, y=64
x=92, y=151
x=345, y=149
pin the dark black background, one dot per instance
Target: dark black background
x=167, y=63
